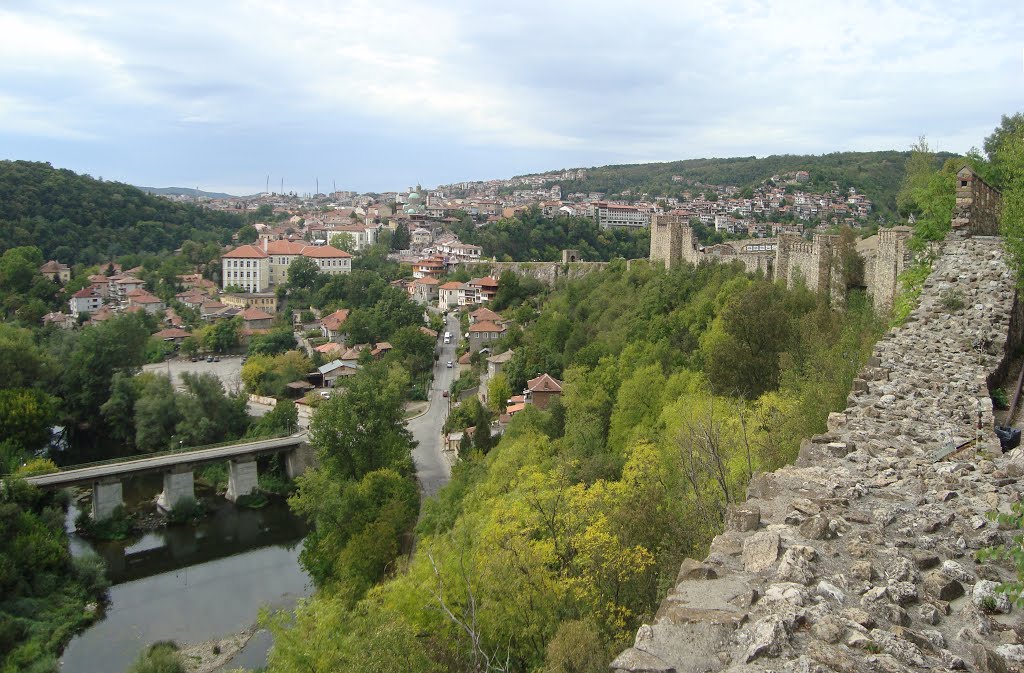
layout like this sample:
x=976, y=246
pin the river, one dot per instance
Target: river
x=191, y=583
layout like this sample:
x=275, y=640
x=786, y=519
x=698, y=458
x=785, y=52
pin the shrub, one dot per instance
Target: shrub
x=254, y=500
x=952, y=300
x=186, y=509
x=999, y=399
x=118, y=526
x=159, y=657
x=92, y=573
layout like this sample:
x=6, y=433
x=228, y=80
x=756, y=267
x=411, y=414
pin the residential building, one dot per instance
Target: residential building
x=331, y=325
x=172, y=334
x=119, y=287
x=485, y=288
x=265, y=301
x=429, y=267
x=454, y=293
x=88, y=300
x=144, y=300
x=424, y=290
x=541, y=390
x=255, y=319
x=495, y=363
x=482, y=314
x=61, y=320
x=483, y=333
x=55, y=271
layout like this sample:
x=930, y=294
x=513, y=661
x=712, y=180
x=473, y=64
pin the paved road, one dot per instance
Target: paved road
x=215, y=454
x=432, y=465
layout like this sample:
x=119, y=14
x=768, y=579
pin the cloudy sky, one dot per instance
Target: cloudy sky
x=382, y=94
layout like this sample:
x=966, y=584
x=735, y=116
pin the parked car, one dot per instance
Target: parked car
x=444, y=394
x=325, y=394
x=209, y=358
x=216, y=359
x=449, y=364
x=194, y=359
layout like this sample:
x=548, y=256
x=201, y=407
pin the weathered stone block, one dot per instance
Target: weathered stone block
x=760, y=551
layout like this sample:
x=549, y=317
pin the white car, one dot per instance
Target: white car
x=449, y=364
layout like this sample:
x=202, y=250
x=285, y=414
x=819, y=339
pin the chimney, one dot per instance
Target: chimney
x=264, y=239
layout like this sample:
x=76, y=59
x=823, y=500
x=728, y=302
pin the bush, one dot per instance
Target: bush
x=254, y=500
x=999, y=399
x=118, y=526
x=159, y=657
x=91, y=571
x=186, y=509
x=215, y=476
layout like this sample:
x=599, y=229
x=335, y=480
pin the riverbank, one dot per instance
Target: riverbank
x=209, y=655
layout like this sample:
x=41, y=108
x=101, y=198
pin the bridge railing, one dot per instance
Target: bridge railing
x=158, y=454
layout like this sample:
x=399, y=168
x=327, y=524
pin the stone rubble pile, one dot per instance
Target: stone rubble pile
x=861, y=557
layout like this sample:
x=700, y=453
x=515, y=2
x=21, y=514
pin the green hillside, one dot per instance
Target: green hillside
x=77, y=219
x=877, y=174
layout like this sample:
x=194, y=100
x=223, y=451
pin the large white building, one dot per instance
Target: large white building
x=257, y=268
x=615, y=215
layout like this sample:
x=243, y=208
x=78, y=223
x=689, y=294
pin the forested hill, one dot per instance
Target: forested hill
x=74, y=218
x=877, y=174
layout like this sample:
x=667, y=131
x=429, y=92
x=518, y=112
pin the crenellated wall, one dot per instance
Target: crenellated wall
x=790, y=256
x=860, y=557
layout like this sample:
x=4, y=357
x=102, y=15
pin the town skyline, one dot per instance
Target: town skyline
x=379, y=96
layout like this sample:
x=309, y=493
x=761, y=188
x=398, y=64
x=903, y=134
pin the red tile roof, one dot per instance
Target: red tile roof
x=253, y=313
x=335, y=320
x=544, y=384
x=486, y=326
x=246, y=251
x=324, y=252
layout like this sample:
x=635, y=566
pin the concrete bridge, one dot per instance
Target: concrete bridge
x=105, y=478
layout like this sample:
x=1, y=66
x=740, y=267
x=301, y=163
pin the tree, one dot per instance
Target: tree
x=343, y=241
x=157, y=413
x=1000, y=148
x=115, y=345
x=414, y=348
x=401, y=239
x=223, y=335
x=276, y=342
x=304, y=273
x=26, y=415
x=498, y=393
x=208, y=415
x=364, y=429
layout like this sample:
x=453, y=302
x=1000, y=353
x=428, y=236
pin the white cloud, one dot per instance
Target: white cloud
x=666, y=79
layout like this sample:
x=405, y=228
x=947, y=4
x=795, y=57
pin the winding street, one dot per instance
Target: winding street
x=432, y=467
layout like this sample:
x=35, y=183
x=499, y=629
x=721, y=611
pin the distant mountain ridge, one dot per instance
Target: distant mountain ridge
x=185, y=191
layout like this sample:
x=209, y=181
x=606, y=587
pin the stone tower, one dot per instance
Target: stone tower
x=669, y=236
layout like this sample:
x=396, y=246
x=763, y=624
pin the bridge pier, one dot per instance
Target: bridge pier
x=178, y=486
x=106, y=497
x=297, y=461
x=242, y=477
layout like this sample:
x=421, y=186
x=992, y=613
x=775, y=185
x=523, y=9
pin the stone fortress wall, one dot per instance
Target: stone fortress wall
x=860, y=557
x=790, y=256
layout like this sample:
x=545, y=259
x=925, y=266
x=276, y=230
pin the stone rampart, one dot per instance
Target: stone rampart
x=860, y=557
x=790, y=256
x=546, y=272
x=978, y=204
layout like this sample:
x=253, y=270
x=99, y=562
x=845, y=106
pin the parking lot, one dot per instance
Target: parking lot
x=228, y=370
